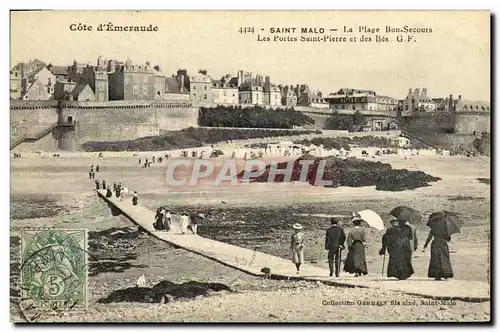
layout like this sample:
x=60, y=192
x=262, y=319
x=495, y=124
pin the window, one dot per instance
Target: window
x=101, y=96
x=194, y=96
x=136, y=79
x=101, y=85
x=135, y=90
x=205, y=87
x=204, y=96
x=194, y=87
x=224, y=93
x=145, y=79
x=145, y=90
x=158, y=93
x=158, y=82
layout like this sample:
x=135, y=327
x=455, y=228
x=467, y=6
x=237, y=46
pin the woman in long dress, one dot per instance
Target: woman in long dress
x=356, y=259
x=297, y=246
x=395, y=241
x=440, y=265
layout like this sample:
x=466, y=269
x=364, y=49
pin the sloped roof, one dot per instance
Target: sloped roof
x=78, y=89
x=172, y=85
x=59, y=70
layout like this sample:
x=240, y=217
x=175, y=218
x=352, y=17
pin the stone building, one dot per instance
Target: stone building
x=418, y=101
x=62, y=90
x=224, y=92
x=200, y=87
x=305, y=97
x=361, y=100
x=132, y=82
x=252, y=91
x=15, y=84
x=386, y=103
x=176, y=87
x=272, y=94
x=83, y=92
x=288, y=96
x=38, y=89
x=97, y=79
x=60, y=72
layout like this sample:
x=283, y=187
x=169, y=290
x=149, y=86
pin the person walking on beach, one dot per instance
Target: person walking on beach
x=97, y=168
x=440, y=264
x=297, y=246
x=139, y=161
x=194, y=221
x=97, y=184
x=395, y=243
x=118, y=190
x=334, y=243
x=104, y=184
x=135, y=198
x=184, y=223
x=123, y=191
x=356, y=258
x=114, y=185
x=109, y=193
x=168, y=220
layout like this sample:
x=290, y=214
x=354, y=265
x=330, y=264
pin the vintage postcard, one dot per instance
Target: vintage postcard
x=250, y=166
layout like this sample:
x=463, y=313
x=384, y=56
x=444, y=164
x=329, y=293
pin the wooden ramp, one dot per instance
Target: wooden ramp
x=251, y=262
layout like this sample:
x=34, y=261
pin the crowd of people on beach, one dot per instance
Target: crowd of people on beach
x=163, y=217
x=163, y=221
x=399, y=241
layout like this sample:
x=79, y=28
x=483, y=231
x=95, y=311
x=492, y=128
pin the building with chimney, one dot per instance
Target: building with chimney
x=62, y=90
x=60, y=72
x=176, y=87
x=272, y=93
x=200, y=87
x=288, y=96
x=305, y=97
x=361, y=100
x=39, y=89
x=418, y=101
x=132, y=82
x=97, y=79
x=251, y=92
x=224, y=92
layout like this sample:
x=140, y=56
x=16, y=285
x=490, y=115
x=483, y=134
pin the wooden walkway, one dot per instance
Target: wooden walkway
x=251, y=262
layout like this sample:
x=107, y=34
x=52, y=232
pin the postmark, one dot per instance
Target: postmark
x=54, y=269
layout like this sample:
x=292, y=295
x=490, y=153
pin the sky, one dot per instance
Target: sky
x=453, y=59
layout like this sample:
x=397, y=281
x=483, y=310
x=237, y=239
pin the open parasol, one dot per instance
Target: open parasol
x=371, y=217
x=444, y=222
x=407, y=214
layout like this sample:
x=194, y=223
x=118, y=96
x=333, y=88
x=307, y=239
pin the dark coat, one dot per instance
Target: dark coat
x=335, y=237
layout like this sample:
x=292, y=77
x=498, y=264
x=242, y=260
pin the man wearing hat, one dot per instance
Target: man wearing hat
x=334, y=243
x=297, y=246
x=195, y=218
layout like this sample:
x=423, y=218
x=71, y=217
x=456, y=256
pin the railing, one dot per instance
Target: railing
x=36, y=137
x=420, y=139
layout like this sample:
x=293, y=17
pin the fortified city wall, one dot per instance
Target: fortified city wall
x=94, y=121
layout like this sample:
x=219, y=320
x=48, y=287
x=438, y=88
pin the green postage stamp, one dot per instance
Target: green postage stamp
x=54, y=269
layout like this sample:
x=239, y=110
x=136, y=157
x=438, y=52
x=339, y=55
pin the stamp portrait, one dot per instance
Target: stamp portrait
x=54, y=268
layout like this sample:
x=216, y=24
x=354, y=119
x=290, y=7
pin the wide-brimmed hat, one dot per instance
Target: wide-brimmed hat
x=297, y=226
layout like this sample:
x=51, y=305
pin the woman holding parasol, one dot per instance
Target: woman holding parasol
x=356, y=258
x=442, y=225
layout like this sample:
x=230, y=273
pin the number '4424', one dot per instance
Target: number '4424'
x=247, y=30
